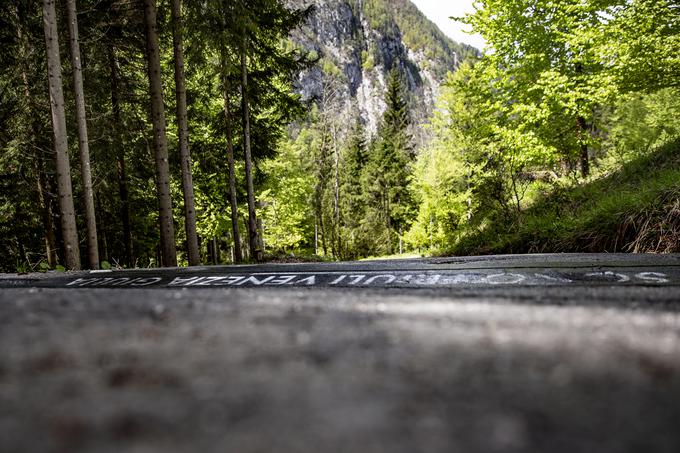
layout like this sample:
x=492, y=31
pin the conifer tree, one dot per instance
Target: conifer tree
x=165, y=219
x=83, y=141
x=389, y=169
x=353, y=205
x=183, y=129
x=66, y=209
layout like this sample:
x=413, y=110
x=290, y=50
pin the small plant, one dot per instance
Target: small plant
x=23, y=267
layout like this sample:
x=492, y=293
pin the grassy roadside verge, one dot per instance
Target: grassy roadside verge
x=635, y=209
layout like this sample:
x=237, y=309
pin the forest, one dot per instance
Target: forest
x=144, y=133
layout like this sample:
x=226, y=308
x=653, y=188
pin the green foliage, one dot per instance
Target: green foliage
x=287, y=216
x=387, y=176
x=564, y=82
x=113, y=56
x=640, y=121
x=358, y=236
x=634, y=209
x=367, y=61
x=576, y=84
x=638, y=41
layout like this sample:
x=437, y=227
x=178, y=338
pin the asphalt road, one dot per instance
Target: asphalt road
x=549, y=353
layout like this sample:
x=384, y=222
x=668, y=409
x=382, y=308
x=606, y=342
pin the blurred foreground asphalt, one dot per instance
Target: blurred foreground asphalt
x=547, y=353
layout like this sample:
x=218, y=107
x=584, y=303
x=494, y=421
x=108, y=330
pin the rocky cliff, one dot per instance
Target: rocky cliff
x=359, y=41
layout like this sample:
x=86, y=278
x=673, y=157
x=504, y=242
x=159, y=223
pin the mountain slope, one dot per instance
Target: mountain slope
x=359, y=41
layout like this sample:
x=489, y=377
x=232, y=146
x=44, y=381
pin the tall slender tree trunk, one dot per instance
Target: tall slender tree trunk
x=253, y=233
x=319, y=227
x=388, y=220
x=167, y=229
x=83, y=142
x=183, y=127
x=336, y=194
x=67, y=211
x=120, y=157
x=46, y=210
x=103, y=233
x=233, y=202
x=582, y=132
x=38, y=160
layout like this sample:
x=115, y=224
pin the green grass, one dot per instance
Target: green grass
x=633, y=209
x=396, y=256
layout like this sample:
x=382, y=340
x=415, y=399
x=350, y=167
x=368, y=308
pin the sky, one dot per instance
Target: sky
x=439, y=11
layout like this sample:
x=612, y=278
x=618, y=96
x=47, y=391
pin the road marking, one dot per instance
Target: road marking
x=369, y=279
x=655, y=277
x=608, y=275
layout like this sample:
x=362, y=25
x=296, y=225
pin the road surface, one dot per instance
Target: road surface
x=544, y=353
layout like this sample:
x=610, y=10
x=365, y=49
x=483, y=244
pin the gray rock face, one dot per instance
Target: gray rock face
x=357, y=51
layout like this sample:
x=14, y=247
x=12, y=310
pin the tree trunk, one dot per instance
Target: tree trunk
x=320, y=228
x=83, y=143
x=67, y=212
x=183, y=128
x=46, y=208
x=39, y=163
x=255, y=252
x=120, y=157
x=167, y=229
x=216, y=250
x=388, y=219
x=103, y=233
x=336, y=195
x=582, y=132
x=233, y=202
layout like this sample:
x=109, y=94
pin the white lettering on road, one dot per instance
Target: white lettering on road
x=81, y=281
x=388, y=279
x=309, y=281
x=356, y=279
x=181, y=281
x=621, y=278
x=338, y=280
x=430, y=279
x=284, y=280
x=552, y=279
x=654, y=277
x=505, y=279
x=255, y=281
x=146, y=281
x=456, y=279
x=395, y=279
x=123, y=281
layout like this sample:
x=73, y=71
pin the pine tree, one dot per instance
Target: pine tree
x=253, y=233
x=183, y=128
x=26, y=52
x=167, y=229
x=83, y=141
x=228, y=122
x=389, y=170
x=66, y=209
x=353, y=207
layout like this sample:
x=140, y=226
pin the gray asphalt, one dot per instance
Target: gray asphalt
x=549, y=353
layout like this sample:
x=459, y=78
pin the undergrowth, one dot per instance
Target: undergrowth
x=635, y=208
